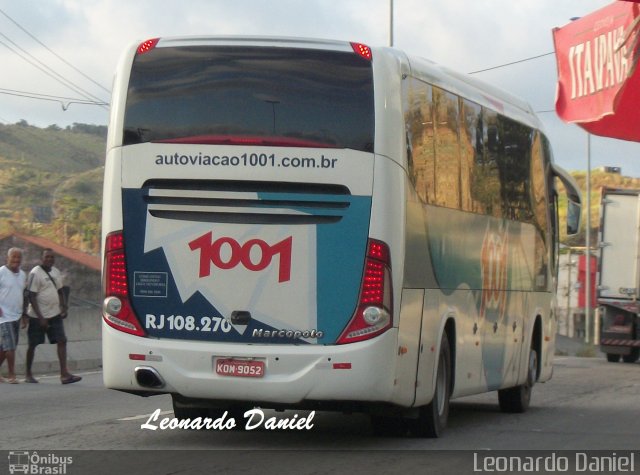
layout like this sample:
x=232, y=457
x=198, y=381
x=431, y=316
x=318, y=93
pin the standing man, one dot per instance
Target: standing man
x=12, y=281
x=47, y=310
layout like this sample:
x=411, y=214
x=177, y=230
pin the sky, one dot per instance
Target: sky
x=90, y=35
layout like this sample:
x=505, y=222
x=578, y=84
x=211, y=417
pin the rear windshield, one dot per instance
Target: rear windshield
x=271, y=96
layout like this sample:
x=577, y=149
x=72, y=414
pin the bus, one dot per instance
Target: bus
x=321, y=225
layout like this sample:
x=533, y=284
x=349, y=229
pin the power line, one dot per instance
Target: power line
x=65, y=102
x=37, y=94
x=511, y=64
x=53, y=52
x=47, y=70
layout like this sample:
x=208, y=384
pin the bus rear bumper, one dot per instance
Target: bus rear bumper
x=293, y=374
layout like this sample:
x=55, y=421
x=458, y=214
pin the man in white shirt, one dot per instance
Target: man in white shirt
x=12, y=282
x=48, y=308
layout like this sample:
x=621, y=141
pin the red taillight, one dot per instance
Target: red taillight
x=115, y=268
x=362, y=50
x=117, y=311
x=374, y=314
x=148, y=45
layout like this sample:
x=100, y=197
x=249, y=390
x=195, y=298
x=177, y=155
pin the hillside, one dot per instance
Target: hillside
x=53, y=149
x=51, y=182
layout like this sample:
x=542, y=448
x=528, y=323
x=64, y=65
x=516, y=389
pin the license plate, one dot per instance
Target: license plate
x=240, y=368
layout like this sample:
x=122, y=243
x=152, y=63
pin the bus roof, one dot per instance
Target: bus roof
x=475, y=90
x=283, y=42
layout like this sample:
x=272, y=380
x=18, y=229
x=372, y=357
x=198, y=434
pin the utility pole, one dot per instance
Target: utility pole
x=587, y=280
x=391, y=23
x=569, y=318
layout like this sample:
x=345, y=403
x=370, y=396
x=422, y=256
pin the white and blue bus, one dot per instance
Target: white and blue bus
x=302, y=224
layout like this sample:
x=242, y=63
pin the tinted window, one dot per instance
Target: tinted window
x=419, y=110
x=447, y=149
x=471, y=153
x=280, y=95
x=463, y=156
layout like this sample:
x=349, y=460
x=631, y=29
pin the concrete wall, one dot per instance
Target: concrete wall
x=82, y=326
x=84, y=344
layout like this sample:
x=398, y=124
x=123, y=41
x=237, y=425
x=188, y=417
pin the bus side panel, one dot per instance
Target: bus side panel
x=408, y=346
x=485, y=281
x=389, y=69
x=469, y=375
x=388, y=220
x=549, y=330
x=118, y=99
x=541, y=306
x=112, y=196
x=389, y=224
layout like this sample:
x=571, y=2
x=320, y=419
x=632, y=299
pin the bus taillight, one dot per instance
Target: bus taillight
x=374, y=314
x=116, y=308
x=147, y=46
x=362, y=50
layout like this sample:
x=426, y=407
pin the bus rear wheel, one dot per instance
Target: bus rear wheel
x=517, y=399
x=433, y=417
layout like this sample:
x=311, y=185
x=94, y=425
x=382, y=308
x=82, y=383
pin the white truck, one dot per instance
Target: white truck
x=619, y=274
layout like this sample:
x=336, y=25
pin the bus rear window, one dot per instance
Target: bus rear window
x=251, y=95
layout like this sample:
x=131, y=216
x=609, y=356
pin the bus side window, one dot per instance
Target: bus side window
x=418, y=111
x=447, y=174
x=471, y=155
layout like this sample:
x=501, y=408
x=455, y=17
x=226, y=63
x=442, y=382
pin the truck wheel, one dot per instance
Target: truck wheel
x=517, y=399
x=433, y=417
x=632, y=357
x=611, y=358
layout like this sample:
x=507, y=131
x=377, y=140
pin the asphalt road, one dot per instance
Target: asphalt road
x=588, y=405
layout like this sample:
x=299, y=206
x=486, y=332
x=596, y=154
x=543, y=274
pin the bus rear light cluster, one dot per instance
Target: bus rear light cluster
x=374, y=312
x=116, y=308
x=147, y=46
x=362, y=50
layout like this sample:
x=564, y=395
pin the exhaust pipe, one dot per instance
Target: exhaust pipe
x=148, y=377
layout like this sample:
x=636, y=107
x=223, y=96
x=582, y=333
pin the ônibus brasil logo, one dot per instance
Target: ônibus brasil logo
x=226, y=253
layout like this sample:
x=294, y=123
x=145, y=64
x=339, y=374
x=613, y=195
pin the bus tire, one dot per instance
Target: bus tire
x=433, y=417
x=517, y=399
x=613, y=358
x=633, y=356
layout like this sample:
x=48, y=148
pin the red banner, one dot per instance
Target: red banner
x=598, y=81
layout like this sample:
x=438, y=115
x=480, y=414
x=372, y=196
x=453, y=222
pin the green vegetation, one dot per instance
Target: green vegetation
x=51, y=182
